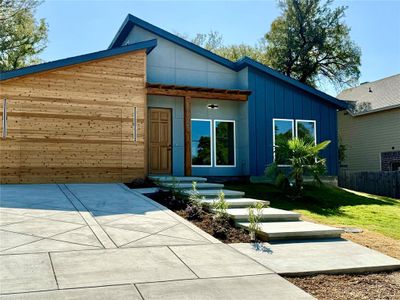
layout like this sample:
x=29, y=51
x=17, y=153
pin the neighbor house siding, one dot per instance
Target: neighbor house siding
x=75, y=124
x=272, y=98
x=367, y=136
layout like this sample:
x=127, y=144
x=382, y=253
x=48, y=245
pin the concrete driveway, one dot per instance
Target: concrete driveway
x=104, y=241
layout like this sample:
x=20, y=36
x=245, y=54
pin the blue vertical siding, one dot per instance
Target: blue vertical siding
x=273, y=98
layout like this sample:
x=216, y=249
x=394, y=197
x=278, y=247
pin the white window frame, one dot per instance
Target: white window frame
x=273, y=136
x=211, y=143
x=315, y=128
x=215, y=144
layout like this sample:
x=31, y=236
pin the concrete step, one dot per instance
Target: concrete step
x=295, y=230
x=268, y=214
x=238, y=202
x=212, y=194
x=180, y=179
x=199, y=186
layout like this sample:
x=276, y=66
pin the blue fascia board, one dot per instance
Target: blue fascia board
x=148, y=45
x=248, y=62
x=131, y=21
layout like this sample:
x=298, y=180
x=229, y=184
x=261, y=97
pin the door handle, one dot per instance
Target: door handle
x=169, y=148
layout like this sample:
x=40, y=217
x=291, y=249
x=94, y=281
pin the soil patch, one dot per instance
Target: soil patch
x=376, y=241
x=223, y=230
x=355, y=286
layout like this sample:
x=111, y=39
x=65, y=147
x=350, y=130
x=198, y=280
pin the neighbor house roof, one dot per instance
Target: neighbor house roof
x=146, y=45
x=374, y=96
x=131, y=21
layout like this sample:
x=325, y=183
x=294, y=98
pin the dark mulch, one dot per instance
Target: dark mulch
x=140, y=183
x=223, y=230
x=355, y=286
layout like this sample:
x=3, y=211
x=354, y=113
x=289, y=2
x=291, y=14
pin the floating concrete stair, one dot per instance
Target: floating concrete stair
x=268, y=214
x=212, y=194
x=238, y=202
x=176, y=179
x=199, y=186
x=295, y=230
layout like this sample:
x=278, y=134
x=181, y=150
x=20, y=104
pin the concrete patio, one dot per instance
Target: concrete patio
x=84, y=241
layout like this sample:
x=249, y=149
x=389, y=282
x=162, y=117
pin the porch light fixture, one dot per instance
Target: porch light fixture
x=212, y=106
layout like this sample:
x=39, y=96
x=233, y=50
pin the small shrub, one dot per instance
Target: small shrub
x=193, y=212
x=195, y=198
x=255, y=213
x=221, y=206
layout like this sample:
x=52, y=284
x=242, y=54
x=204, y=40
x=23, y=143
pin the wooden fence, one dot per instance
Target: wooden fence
x=377, y=183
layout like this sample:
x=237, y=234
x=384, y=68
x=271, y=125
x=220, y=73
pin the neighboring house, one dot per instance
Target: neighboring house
x=154, y=103
x=370, y=129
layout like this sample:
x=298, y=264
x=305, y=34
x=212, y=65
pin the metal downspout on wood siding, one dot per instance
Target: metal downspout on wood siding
x=4, y=120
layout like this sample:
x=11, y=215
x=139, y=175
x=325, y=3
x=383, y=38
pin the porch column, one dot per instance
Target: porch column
x=187, y=107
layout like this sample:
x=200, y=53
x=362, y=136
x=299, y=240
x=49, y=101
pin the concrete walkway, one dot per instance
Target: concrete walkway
x=104, y=241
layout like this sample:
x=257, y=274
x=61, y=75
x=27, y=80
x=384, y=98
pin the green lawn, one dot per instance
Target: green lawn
x=334, y=206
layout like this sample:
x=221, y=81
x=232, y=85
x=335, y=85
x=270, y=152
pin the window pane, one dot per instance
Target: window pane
x=305, y=131
x=225, y=143
x=283, y=132
x=201, y=146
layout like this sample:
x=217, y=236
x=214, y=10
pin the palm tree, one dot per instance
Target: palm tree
x=304, y=159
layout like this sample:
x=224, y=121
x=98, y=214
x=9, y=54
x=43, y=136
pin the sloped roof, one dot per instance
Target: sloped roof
x=147, y=45
x=131, y=21
x=375, y=95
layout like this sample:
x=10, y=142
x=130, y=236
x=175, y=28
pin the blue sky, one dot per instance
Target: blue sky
x=78, y=27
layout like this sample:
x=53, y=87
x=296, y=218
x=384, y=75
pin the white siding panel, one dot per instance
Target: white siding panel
x=365, y=137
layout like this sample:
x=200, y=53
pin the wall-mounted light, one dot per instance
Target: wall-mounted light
x=212, y=106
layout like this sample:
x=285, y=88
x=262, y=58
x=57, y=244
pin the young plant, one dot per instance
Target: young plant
x=221, y=206
x=174, y=188
x=255, y=214
x=195, y=198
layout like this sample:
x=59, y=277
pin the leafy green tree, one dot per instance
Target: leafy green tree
x=22, y=37
x=311, y=42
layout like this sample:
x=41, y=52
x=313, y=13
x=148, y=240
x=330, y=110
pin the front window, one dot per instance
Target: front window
x=201, y=143
x=306, y=131
x=283, y=132
x=224, y=143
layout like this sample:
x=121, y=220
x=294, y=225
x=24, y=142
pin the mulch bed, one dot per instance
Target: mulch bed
x=380, y=286
x=223, y=230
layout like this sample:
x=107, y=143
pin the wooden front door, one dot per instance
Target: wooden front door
x=160, y=141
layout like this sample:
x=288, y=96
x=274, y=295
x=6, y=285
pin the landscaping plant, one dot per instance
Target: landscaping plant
x=304, y=159
x=221, y=206
x=221, y=217
x=194, y=208
x=255, y=214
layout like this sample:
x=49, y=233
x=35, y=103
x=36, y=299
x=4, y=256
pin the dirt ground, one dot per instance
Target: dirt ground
x=376, y=241
x=380, y=286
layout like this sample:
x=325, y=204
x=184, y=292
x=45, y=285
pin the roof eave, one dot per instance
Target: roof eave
x=131, y=21
x=248, y=62
x=146, y=45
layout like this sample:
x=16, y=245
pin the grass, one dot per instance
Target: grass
x=334, y=206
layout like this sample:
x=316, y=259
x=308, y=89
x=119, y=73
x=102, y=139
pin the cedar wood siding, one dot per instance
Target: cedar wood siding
x=75, y=124
x=367, y=136
x=273, y=98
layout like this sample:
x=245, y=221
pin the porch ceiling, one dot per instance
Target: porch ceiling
x=196, y=92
